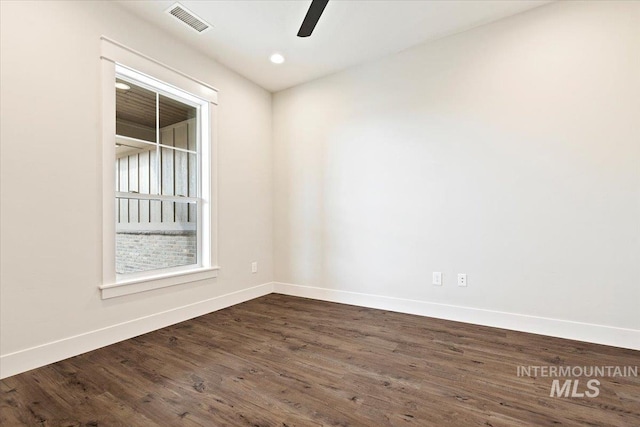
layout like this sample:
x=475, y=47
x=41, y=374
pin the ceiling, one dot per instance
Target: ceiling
x=246, y=33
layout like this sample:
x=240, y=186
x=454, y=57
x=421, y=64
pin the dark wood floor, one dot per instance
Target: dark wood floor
x=285, y=361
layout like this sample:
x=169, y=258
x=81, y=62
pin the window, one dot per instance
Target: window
x=157, y=177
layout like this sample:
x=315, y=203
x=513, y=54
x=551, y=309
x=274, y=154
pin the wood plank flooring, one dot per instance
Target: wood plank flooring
x=286, y=361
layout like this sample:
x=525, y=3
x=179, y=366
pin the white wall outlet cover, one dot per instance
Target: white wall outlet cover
x=437, y=278
x=462, y=279
x=254, y=267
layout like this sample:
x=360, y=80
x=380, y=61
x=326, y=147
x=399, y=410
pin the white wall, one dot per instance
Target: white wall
x=510, y=152
x=51, y=226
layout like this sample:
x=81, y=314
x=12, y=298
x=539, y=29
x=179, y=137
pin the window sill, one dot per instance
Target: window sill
x=148, y=283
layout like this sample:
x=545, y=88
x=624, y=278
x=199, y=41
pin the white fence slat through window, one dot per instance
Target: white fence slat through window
x=138, y=170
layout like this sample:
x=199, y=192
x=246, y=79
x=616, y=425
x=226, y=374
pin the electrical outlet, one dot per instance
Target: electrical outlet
x=462, y=279
x=254, y=267
x=437, y=278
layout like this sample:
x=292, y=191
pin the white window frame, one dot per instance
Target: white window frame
x=124, y=62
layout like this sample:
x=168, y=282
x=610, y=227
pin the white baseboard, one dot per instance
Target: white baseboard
x=35, y=357
x=598, y=334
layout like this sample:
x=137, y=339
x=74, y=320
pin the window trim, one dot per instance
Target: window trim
x=158, y=281
x=115, y=55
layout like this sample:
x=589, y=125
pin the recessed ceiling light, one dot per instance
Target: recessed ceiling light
x=123, y=86
x=277, y=58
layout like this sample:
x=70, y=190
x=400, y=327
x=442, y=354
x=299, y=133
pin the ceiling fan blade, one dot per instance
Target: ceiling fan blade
x=311, y=19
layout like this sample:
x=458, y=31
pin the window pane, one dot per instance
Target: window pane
x=135, y=112
x=137, y=172
x=143, y=244
x=173, y=112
